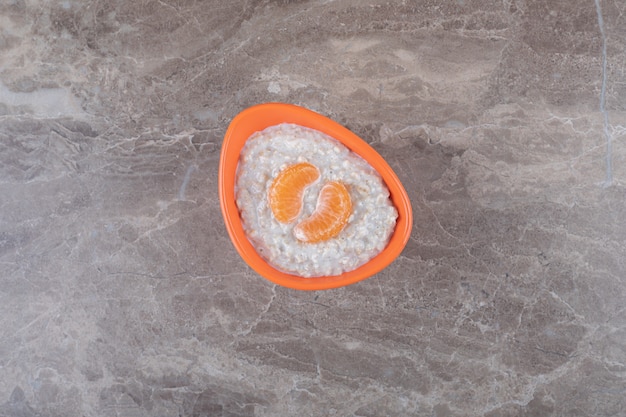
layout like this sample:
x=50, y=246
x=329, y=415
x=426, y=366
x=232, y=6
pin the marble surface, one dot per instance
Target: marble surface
x=121, y=294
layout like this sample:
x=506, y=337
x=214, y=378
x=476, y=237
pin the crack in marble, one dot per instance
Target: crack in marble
x=263, y=312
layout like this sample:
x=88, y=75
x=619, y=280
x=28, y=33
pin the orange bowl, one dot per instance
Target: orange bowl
x=261, y=116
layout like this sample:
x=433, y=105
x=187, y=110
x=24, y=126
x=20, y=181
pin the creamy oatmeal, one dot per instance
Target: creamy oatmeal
x=371, y=222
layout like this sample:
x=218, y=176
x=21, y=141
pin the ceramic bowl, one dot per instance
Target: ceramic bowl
x=261, y=116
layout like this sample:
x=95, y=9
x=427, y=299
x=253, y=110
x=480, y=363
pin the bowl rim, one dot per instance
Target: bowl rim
x=261, y=116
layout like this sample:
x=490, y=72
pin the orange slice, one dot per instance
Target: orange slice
x=285, y=193
x=331, y=215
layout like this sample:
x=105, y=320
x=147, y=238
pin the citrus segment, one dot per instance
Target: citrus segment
x=285, y=193
x=331, y=214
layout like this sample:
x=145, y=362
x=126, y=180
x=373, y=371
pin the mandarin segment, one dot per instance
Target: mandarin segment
x=331, y=214
x=286, y=192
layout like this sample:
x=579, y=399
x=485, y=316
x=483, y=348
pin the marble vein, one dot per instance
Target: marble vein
x=608, y=180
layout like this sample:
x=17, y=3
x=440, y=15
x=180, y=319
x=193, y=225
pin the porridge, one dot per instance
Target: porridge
x=309, y=205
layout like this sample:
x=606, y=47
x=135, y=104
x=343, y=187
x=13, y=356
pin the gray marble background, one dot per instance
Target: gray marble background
x=121, y=294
